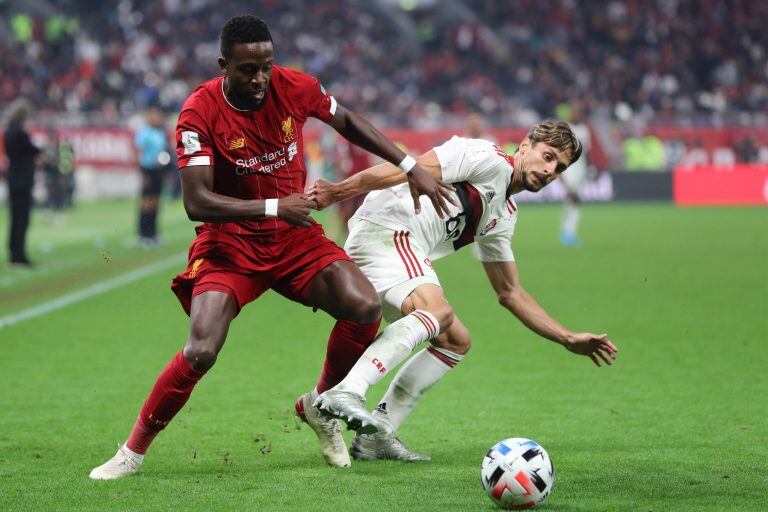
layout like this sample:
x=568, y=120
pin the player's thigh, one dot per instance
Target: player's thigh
x=342, y=290
x=456, y=338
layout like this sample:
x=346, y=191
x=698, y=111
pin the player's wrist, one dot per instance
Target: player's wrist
x=270, y=207
x=407, y=164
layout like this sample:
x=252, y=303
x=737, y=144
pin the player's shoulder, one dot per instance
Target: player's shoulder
x=204, y=94
x=288, y=79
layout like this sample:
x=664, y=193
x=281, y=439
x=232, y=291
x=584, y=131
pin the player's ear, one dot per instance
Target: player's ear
x=223, y=64
x=524, y=145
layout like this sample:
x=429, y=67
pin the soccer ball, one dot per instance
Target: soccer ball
x=517, y=473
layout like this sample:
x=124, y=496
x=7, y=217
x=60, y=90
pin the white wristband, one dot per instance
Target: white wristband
x=407, y=163
x=270, y=208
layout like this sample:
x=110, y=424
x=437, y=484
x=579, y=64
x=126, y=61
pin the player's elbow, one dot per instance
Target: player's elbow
x=193, y=209
x=509, y=297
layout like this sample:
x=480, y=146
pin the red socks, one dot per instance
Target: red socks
x=346, y=344
x=169, y=394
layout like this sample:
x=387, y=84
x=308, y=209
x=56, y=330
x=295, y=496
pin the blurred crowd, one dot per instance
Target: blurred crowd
x=669, y=60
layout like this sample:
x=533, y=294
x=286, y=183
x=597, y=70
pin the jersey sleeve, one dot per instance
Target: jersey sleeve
x=317, y=101
x=471, y=160
x=193, y=144
x=496, y=248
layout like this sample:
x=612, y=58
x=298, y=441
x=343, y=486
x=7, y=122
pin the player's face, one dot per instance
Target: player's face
x=249, y=71
x=541, y=164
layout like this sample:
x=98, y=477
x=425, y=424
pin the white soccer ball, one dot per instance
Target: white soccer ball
x=517, y=473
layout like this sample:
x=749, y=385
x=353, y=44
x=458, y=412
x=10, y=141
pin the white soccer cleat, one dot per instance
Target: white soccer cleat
x=349, y=407
x=328, y=432
x=122, y=464
x=383, y=446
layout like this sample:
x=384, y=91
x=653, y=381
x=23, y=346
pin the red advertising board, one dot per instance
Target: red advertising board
x=711, y=185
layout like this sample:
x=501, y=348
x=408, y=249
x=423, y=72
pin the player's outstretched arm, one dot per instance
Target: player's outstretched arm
x=378, y=177
x=505, y=281
x=203, y=204
x=356, y=129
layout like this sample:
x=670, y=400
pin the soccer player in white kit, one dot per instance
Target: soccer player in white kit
x=395, y=248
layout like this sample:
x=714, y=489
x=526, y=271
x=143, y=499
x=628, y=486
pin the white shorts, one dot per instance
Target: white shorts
x=393, y=261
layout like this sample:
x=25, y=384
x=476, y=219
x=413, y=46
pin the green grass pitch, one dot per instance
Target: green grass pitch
x=680, y=422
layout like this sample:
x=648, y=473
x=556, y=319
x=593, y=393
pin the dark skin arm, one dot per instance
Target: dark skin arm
x=203, y=204
x=356, y=129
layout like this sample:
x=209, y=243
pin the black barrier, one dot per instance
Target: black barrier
x=642, y=186
x=610, y=186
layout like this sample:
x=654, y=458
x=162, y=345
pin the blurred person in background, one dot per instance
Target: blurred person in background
x=574, y=181
x=54, y=179
x=152, y=142
x=476, y=128
x=22, y=158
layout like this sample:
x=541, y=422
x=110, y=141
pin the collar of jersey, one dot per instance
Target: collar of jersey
x=227, y=100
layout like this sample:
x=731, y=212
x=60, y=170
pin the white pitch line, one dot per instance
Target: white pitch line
x=90, y=291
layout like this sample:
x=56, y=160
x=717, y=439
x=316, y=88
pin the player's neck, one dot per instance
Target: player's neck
x=516, y=183
x=234, y=100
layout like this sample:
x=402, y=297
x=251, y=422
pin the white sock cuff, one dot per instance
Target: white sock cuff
x=445, y=356
x=136, y=456
x=429, y=321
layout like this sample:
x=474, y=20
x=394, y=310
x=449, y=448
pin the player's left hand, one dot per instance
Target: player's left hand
x=594, y=346
x=422, y=183
x=323, y=192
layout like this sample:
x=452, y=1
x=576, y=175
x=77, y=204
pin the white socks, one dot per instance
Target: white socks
x=416, y=376
x=391, y=347
x=570, y=224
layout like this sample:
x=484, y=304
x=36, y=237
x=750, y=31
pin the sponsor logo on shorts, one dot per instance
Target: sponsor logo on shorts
x=488, y=227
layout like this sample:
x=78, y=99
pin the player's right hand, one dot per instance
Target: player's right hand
x=594, y=346
x=295, y=209
x=422, y=183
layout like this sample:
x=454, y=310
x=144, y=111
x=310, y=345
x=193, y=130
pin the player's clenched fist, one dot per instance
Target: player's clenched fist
x=295, y=209
x=322, y=192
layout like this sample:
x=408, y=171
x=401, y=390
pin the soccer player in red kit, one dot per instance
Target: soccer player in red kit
x=240, y=148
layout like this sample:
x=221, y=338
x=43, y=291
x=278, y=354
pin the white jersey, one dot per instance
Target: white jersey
x=481, y=173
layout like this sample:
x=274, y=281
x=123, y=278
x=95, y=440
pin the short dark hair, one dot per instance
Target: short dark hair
x=243, y=29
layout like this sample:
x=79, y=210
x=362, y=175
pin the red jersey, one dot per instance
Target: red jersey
x=255, y=154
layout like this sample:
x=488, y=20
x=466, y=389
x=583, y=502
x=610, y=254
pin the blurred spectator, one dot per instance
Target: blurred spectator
x=747, y=150
x=54, y=179
x=154, y=158
x=574, y=178
x=22, y=155
x=670, y=60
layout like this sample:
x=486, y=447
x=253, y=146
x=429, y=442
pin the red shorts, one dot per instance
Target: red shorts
x=245, y=266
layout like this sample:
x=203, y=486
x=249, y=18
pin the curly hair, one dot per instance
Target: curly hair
x=557, y=134
x=243, y=29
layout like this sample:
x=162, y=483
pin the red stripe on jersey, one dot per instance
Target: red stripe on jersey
x=511, y=206
x=447, y=361
x=432, y=328
x=395, y=238
x=410, y=251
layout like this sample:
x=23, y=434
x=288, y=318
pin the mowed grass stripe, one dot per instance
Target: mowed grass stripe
x=91, y=291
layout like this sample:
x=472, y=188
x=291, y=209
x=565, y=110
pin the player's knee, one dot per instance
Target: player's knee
x=201, y=357
x=444, y=315
x=367, y=309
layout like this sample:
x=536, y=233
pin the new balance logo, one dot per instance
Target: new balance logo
x=237, y=144
x=378, y=365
